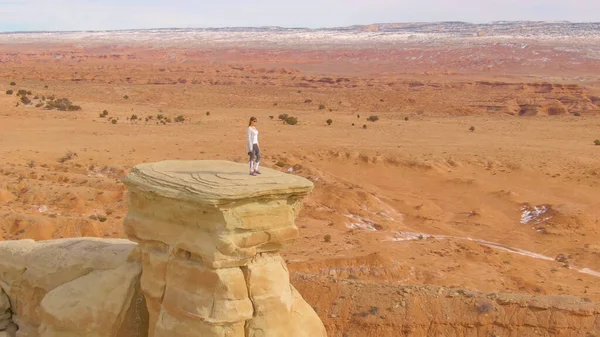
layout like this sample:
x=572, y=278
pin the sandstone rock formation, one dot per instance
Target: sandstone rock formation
x=209, y=236
x=71, y=287
x=207, y=263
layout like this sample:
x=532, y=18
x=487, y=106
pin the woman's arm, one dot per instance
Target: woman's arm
x=249, y=140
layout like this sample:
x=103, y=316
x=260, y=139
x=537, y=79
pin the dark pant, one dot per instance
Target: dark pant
x=255, y=153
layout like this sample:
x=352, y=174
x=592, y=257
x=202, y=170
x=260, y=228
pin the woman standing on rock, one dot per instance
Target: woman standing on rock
x=252, y=147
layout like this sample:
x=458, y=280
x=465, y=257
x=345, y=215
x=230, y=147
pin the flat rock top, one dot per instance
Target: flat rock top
x=213, y=181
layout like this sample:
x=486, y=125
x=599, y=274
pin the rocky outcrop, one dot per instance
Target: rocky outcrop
x=72, y=287
x=209, y=237
x=207, y=263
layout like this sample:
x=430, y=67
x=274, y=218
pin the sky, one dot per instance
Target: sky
x=65, y=15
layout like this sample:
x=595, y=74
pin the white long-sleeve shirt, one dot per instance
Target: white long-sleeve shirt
x=251, y=139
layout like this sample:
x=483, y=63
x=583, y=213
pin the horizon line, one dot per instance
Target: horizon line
x=304, y=28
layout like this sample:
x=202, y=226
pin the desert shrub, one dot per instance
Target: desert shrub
x=68, y=156
x=29, y=92
x=321, y=106
x=43, y=98
x=101, y=218
x=271, y=117
x=352, y=124
x=329, y=121
x=150, y=118
x=126, y=97
x=21, y=92
x=308, y=100
x=291, y=120
x=373, y=118
x=168, y=120
x=327, y=238
x=283, y=117
x=13, y=83
x=472, y=128
x=52, y=97
x=133, y=117
x=39, y=105
x=577, y=114
x=597, y=142
x=406, y=118
x=9, y=92
x=280, y=164
x=104, y=113
x=36, y=97
x=358, y=116
x=275, y=104
x=114, y=121
x=31, y=164
x=160, y=116
x=364, y=126
x=485, y=307
x=208, y=113
x=61, y=104
x=25, y=100
x=45, y=87
x=179, y=119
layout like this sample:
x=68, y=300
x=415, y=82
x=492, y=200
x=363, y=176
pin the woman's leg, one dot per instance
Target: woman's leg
x=251, y=162
x=256, y=152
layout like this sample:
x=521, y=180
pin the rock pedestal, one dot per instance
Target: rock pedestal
x=209, y=237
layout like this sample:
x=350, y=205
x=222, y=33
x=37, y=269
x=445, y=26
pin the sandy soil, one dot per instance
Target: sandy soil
x=415, y=198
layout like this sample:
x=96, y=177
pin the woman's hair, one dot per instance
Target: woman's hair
x=251, y=120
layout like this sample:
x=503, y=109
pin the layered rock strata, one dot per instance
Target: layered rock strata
x=209, y=238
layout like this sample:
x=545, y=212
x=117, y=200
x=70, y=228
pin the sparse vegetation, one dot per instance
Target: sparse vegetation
x=358, y=116
x=485, y=307
x=271, y=117
x=68, y=156
x=283, y=117
x=352, y=124
x=25, y=100
x=308, y=100
x=472, y=128
x=373, y=118
x=114, y=121
x=39, y=105
x=179, y=119
x=291, y=120
x=208, y=113
x=31, y=164
x=327, y=238
x=9, y=92
x=597, y=142
x=280, y=164
x=133, y=117
x=321, y=106
x=406, y=118
x=13, y=83
x=329, y=121
x=577, y=114
x=21, y=92
x=61, y=104
x=126, y=97
x=101, y=218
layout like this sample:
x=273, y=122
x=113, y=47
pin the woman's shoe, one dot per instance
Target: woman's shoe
x=252, y=173
x=257, y=172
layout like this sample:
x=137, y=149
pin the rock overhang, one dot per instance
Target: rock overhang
x=213, y=182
